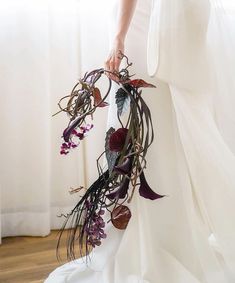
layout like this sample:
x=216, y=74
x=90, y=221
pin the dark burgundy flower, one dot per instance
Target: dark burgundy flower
x=62, y=151
x=66, y=146
x=125, y=167
x=121, y=191
x=80, y=136
x=120, y=217
x=145, y=191
x=117, y=139
x=86, y=128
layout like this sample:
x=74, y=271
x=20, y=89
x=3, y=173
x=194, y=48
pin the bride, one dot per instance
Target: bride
x=186, y=46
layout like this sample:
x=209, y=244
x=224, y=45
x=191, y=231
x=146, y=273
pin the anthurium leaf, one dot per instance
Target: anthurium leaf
x=98, y=99
x=122, y=101
x=111, y=156
x=140, y=83
x=120, y=217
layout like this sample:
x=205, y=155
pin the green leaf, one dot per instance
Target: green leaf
x=122, y=101
x=111, y=156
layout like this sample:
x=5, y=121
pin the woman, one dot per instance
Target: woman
x=189, y=236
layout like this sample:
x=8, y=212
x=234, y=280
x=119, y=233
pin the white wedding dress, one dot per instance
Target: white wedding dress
x=188, y=236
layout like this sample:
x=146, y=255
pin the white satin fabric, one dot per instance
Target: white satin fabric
x=188, y=236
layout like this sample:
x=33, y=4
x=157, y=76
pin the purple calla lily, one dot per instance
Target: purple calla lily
x=121, y=191
x=145, y=191
x=125, y=167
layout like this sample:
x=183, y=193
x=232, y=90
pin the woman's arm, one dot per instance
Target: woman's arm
x=126, y=11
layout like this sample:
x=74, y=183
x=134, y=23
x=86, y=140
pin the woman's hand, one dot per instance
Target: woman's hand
x=126, y=11
x=113, y=61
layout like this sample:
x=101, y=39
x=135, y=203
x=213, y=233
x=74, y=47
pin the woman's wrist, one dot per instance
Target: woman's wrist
x=120, y=38
x=118, y=44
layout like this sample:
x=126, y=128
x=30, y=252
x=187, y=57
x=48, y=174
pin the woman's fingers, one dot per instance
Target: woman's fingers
x=117, y=63
x=113, y=62
x=112, y=66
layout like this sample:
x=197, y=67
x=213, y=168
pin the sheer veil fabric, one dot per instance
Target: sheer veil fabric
x=187, y=237
x=38, y=63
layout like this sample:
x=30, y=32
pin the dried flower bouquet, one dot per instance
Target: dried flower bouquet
x=125, y=149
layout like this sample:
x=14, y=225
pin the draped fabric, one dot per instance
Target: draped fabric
x=195, y=44
x=188, y=236
x=40, y=62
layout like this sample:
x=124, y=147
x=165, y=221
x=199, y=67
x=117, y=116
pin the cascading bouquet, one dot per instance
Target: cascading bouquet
x=125, y=150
